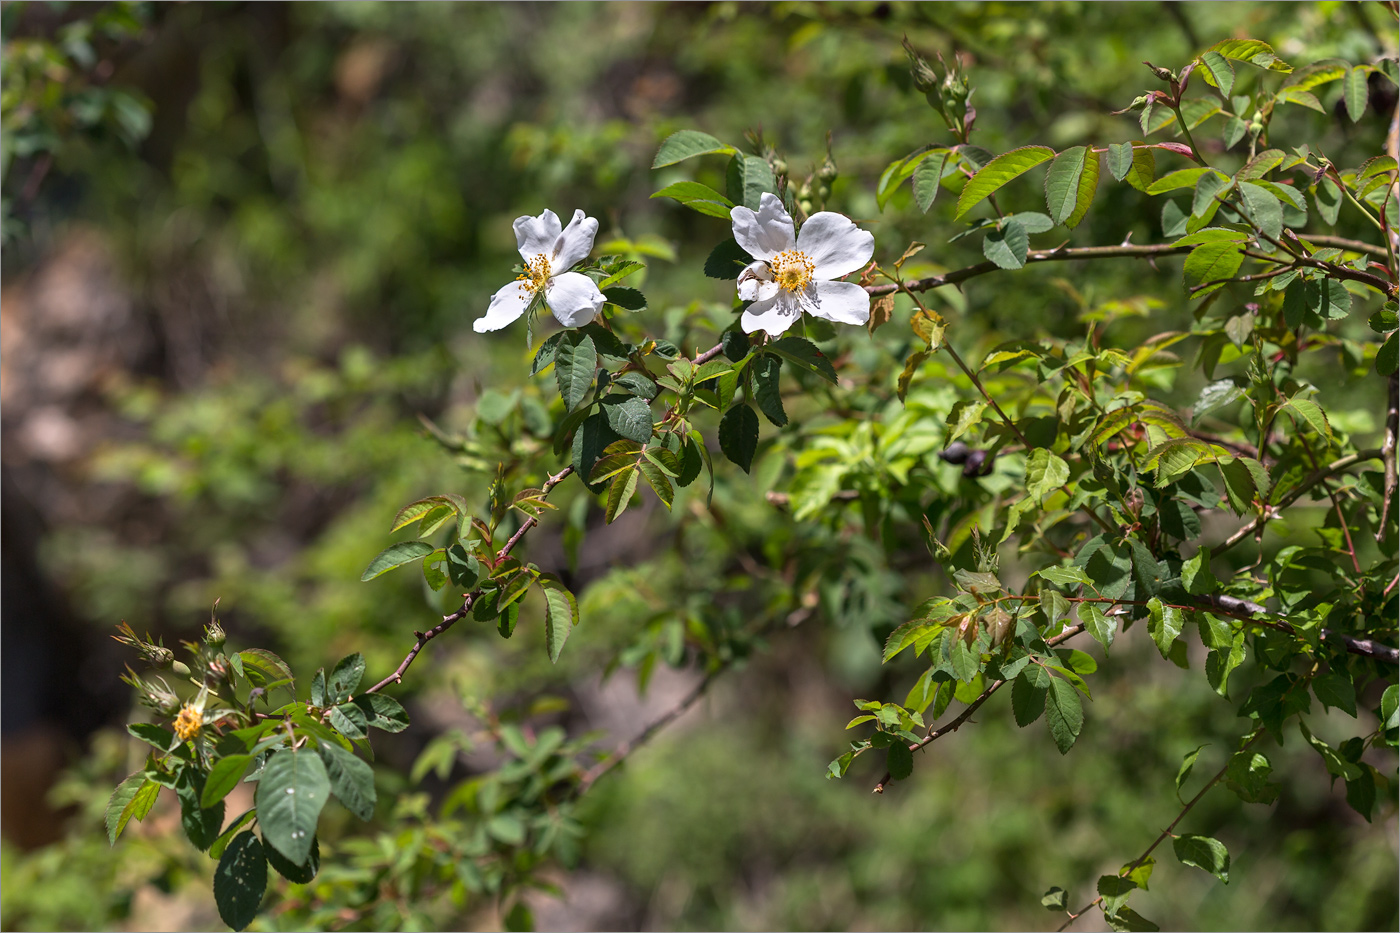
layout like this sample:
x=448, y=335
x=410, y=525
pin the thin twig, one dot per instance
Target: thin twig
x=1387, y=454
x=1336, y=466
x=619, y=754
x=1138, y=862
x=957, y=722
x=422, y=638
x=1050, y=255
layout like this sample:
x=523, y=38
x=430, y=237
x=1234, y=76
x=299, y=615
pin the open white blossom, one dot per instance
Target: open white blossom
x=548, y=252
x=792, y=274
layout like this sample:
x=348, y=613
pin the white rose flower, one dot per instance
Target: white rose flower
x=548, y=252
x=794, y=274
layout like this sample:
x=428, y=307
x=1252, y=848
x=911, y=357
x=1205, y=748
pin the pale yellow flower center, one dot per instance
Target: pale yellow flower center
x=792, y=270
x=536, y=273
x=188, y=723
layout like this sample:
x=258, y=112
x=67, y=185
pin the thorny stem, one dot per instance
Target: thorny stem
x=1048, y=255
x=957, y=722
x=451, y=619
x=620, y=753
x=1387, y=454
x=1195, y=150
x=1138, y=862
x=469, y=599
x=1336, y=466
x=1336, y=504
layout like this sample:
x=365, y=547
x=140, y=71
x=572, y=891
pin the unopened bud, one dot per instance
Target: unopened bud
x=806, y=206
x=214, y=635
x=1163, y=74
x=828, y=172
x=823, y=192
x=779, y=167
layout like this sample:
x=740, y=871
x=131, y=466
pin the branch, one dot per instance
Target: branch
x=1136, y=863
x=1336, y=466
x=619, y=754
x=1250, y=611
x=972, y=707
x=1044, y=255
x=1387, y=453
x=422, y=638
x=1341, y=242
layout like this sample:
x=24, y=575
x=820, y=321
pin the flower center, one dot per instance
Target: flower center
x=536, y=273
x=188, y=723
x=792, y=270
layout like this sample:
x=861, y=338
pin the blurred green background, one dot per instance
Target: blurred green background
x=243, y=247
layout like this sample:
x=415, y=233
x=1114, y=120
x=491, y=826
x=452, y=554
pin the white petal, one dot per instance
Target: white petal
x=574, y=298
x=774, y=316
x=756, y=282
x=506, y=305
x=835, y=245
x=767, y=233
x=843, y=302
x=537, y=235
x=575, y=243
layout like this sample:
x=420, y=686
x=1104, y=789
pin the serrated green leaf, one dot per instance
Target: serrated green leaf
x=1063, y=182
x=998, y=172
x=1064, y=713
x=382, y=712
x=748, y=178
x=133, y=797
x=395, y=555
x=1045, y=472
x=1100, y=626
x=240, y=880
x=1335, y=689
x=1219, y=72
x=802, y=352
x=1205, y=853
x=561, y=615
x=1355, y=92
x=351, y=780
x=738, y=435
x=928, y=178
x=687, y=144
x=1007, y=246
x=575, y=365
x=899, y=761
x=297, y=874
x=290, y=794
x=1263, y=208
x=223, y=777
x=1216, y=262
x=1188, y=762
x=767, y=388
x=1027, y=697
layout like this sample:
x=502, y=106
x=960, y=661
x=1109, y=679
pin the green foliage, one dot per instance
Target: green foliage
x=1060, y=487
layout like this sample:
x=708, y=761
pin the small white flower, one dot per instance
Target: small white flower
x=548, y=251
x=793, y=274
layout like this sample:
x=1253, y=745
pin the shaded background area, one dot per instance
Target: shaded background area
x=243, y=247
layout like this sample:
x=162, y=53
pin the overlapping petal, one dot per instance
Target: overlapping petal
x=506, y=306
x=574, y=298
x=756, y=282
x=575, y=243
x=835, y=245
x=537, y=236
x=843, y=302
x=773, y=316
x=765, y=233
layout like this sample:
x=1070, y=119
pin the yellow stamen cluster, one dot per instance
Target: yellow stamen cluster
x=188, y=723
x=792, y=270
x=536, y=273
